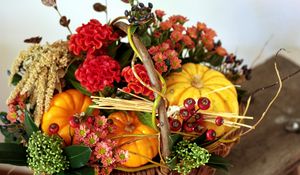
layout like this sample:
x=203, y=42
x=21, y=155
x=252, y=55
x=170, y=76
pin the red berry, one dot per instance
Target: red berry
x=175, y=124
x=199, y=118
x=203, y=103
x=90, y=119
x=185, y=114
x=53, y=128
x=189, y=103
x=211, y=135
x=219, y=121
x=74, y=122
x=189, y=127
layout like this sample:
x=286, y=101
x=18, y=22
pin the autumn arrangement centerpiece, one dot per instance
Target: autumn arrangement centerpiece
x=142, y=94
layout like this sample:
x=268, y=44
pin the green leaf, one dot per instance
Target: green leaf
x=201, y=139
x=112, y=49
x=126, y=58
x=11, y=153
x=133, y=29
x=3, y=118
x=71, y=71
x=146, y=39
x=216, y=60
x=146, y=119
x=172, y=162
x=81, y=171
x=89, y=111
x=78, y=86
x=174, y=139
x=218, y=162
x=15, y=80
x=30, y=126
x=78, y=155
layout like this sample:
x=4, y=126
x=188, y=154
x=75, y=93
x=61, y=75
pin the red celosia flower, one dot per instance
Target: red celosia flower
x=97, y=72
x=91, y=36
x=159, y=14
x=133, y=84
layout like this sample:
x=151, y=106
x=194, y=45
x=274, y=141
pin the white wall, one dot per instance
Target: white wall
x=243, y=25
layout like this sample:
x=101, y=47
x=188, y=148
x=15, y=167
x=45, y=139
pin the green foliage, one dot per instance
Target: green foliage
x=16, y=78
x=186, y=156
x=81, y=171
x=12, y=153
x=45, y=154
x=146, y=119
x=78, y=155
x=30, y=126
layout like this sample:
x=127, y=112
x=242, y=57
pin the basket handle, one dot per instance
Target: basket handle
x=155, y=83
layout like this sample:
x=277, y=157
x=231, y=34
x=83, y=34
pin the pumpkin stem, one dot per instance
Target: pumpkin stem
x=196, y=81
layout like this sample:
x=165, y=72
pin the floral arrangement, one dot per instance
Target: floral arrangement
x=167, y=98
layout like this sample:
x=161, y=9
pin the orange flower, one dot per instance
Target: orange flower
x=176, y=36
x=166, y=25
x=188, y=41
x=192, y=32
x=221, y=51
x=178, y=18
x=201, y=26
x=159, y=13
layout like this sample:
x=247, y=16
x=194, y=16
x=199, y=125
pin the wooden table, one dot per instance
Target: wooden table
x=270, y=149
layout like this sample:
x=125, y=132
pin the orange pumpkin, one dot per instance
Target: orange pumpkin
x=62, y=107
x=195, y=81
x=128, y=123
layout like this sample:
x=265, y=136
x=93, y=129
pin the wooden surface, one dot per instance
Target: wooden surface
x=269, y=149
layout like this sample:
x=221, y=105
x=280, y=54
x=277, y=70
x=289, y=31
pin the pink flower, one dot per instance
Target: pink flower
x=159, y=57
x=121, y=156
x=91, y=140
x=201, y=26
x=103, y=150
x=161, y=67
x=171, y=53
x=159, y=14
x=100, y=121
x=175, y=63
x=153, y=50
x=98, y=72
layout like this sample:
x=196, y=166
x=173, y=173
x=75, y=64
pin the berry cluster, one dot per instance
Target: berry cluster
x=139, y=13
x=236, y=68
x=192, y=119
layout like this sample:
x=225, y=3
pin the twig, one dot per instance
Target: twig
x=277, y=82
x=261, y=51
x=67, y=26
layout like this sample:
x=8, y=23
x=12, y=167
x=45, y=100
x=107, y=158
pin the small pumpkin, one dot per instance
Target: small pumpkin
x=63, y=107
x=128, y=123
x=195, y=81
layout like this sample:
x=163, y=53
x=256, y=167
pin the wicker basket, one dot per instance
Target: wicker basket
x=222, y=149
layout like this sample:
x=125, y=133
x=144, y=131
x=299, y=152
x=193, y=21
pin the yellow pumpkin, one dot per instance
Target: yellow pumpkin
x=195, y=81
x=128, y=123
x=62, y=107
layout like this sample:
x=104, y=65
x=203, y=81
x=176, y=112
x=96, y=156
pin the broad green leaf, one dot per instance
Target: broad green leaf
x=172, y=162
x=174, y=139
x=126, y=58
x=146, y=119
x=15, y=80
x=112, y=49
x=89, y=111
x=133, y=29
x=218, y=162
x=30, y=126
x=146, y=39
x=12, y=153
x=201, y=139
x=81, y=171
x=78, y=86
x=71, y=71
x=78, y=155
